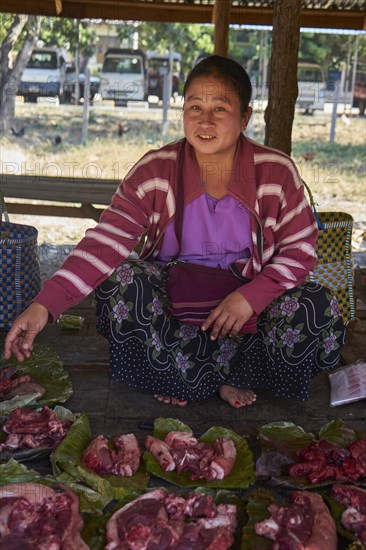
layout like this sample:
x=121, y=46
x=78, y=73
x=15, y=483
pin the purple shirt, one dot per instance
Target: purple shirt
x=216, y=233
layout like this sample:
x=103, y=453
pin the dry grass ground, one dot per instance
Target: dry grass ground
x=51, y=145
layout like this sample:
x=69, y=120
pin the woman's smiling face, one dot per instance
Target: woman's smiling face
x=212, y=116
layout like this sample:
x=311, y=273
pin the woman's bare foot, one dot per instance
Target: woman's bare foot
x=237, y=397
x=170, y=400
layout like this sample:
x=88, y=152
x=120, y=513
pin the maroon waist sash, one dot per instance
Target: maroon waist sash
x=195, y=290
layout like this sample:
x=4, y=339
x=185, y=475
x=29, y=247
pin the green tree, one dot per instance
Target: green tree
x=329, y=50
x=22, y=30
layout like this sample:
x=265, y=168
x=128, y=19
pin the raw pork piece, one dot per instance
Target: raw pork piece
x=124, y=461
x=182, y=452
x=354, y=517
x=161, y=452
x=224, y=458
x=304, y=525
x=11, y=387
x=127, y=459
x=36, y=517
x=180, y=440
x=24, y=387
x=171, y=522
x=6, y=377
x=324, y=461
x=29, y=429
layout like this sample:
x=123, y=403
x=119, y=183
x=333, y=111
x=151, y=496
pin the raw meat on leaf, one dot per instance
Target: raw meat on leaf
x=123, y=461
x=306, y=524
x=182, y=452
x=36, y=517
x=167, y=521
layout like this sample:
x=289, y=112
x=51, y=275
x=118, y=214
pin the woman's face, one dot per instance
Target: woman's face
x=212, y=117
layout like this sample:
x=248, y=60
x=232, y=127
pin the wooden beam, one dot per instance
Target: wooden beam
x=137, y=11
x=162, y=12
x=32, y=7
x=328, y=19
x=221, y=20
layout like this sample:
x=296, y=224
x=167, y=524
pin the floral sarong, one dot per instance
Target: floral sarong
x=299, y=336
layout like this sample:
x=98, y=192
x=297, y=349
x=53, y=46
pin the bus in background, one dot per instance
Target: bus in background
x=158, y=66
x=123, y=75
x=312, y=87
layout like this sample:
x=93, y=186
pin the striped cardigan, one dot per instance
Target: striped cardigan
x=265, y=180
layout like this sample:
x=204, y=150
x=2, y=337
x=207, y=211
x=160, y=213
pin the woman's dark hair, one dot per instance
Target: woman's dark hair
x=228, y=69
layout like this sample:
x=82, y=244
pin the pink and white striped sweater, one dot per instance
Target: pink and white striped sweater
x=265, y=180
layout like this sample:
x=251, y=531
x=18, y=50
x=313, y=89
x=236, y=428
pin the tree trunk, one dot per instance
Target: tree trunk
x=11, y=75
x=283, y=91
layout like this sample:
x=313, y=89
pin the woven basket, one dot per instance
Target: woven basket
x=334, y=268
x=19, y=268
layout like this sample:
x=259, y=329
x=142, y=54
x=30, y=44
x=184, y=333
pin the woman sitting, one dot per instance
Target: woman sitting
x=244, y=206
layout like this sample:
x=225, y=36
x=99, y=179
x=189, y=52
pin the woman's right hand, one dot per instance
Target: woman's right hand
x=19, y=340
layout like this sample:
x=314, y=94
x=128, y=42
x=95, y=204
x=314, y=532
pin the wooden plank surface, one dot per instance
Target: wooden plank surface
x=59, y=189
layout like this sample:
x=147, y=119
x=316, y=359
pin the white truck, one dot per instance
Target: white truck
x=44, y=75
x=124, y=75
x=312, y=87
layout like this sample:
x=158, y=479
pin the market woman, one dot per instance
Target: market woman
x=244, y=206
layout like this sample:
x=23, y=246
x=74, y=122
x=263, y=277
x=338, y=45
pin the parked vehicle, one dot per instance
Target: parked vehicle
x=158, y=66
x=124, y=75
x=312, y=87
x=359, y=91
x=70, y=85
x=44, y=75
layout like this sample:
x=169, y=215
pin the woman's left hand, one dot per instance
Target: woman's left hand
x=229, y=316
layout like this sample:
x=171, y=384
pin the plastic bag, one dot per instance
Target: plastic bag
x=348, y=384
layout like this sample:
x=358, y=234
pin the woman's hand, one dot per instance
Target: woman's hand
x=19, y=340
x=229, y=316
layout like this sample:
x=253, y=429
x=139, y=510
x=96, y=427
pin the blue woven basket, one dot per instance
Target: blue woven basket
x=19, y=268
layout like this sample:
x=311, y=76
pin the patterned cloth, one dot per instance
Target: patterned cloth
x=300, y=335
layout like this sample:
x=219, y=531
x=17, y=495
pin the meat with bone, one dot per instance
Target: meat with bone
x=354, y=516
x=161, y=452
x=182, y=452
x=157, y=520
x=123, y=461
x=36, y=517
x=29, y=429
x=323, y=460
x=306, y=524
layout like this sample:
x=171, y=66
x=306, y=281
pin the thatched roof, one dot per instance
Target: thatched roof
x=341, y=14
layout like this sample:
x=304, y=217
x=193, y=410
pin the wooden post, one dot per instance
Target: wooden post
x=84, y=130
x=221, y=20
